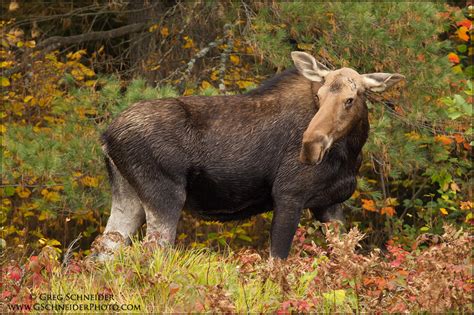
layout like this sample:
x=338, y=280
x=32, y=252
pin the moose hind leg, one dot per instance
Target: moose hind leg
x=329, y=214
x=126, y=217
x=163, y=200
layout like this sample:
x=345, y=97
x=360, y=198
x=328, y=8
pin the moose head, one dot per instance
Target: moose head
x=341, y=102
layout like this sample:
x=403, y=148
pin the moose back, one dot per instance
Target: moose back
x=293, y=143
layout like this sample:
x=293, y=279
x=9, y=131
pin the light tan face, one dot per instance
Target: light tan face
x=341, y=103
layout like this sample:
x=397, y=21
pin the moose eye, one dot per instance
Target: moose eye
x=348, y=102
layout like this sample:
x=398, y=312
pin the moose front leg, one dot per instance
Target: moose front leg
x=329, y=214
x=286, y=218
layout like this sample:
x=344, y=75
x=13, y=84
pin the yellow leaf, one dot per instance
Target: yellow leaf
x=53, y=196
x=391, y=201
x=6, y=64
x=234, y=59
x=4, y=82
x=188, y=92
x=53, y=242
x=88, y=72
x=154, y=68
x=23, y=192
x=30, y=44
x=214, y=75
x=244, y=84
x=44, y=215
x=77, y=74
x=76, y=55
x=305, y=46
x=205, y=84
x=189, y=42
x=90, y=82
x=50, y=195
x=3, y=128
x=355, y=195
x=413, y=135
x=443, y=211
x=27, y=98
x=13, y=6
x=58, y=187
x=90, y=181
x=153, y=28
x=164, y=31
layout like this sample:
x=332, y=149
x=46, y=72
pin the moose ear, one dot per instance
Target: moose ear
x=308, y=66
x=379, y=82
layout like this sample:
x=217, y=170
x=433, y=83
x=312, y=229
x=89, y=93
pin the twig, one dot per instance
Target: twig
x=71, y=247
x=225, y=56
x=190, y=65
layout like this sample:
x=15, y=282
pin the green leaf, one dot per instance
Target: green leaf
x=469, y=71
x=245, y=238
x=335, y=297
x=9, y=191
x=469, y=92
x=462, y=48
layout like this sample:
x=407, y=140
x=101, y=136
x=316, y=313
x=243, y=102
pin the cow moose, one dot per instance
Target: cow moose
x=293, y=143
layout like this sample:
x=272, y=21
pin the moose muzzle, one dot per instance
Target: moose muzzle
x=313, y=151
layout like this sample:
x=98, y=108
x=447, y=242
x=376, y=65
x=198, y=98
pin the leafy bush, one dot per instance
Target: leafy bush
x=417, y=167
x=315, y=279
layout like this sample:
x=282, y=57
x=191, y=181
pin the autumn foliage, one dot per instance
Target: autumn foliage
x=413, y=203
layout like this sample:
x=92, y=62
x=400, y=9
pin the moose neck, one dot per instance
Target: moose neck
x=288, y=88
x=357, y=136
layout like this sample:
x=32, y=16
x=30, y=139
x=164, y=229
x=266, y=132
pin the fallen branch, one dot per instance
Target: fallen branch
x=58, y=41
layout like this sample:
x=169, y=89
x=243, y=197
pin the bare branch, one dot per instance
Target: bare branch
x=58, y=41
x=225, y=56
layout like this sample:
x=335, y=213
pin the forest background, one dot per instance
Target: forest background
x=69, y=67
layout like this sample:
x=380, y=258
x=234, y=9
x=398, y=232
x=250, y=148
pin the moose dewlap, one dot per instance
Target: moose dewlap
x=293, y=143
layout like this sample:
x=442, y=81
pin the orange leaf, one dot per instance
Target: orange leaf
x=164, y=31
x=444, y=139
x=458, y=138
x=466, y=23
x=462, y=33
x=453, y=58
x=466, y=205
x=369, y=205
x=390, y=211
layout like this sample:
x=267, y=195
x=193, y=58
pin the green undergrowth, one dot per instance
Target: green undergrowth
x=327, y=278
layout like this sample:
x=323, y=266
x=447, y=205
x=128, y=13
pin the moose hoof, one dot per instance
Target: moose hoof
x=153, y=240
x=105, y=245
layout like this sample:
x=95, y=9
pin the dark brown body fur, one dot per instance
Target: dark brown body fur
x=230, y=157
